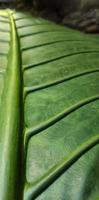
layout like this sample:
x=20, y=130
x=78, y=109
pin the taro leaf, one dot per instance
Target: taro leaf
x=49, y=110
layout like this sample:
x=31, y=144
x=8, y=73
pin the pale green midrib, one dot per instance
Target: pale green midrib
x=33, y=190
x=22, y=177
x=10, y=121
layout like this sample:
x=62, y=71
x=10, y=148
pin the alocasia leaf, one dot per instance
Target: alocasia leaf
x=49, y=110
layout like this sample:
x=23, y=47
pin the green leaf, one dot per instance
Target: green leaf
x=49, y=110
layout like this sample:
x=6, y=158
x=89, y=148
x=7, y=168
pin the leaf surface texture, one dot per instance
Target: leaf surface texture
x=49, y=110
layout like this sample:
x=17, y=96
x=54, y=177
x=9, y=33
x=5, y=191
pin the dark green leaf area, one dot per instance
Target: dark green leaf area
x=29, y=21
x=61, y=69
x=53, y=36
x=49, y=103
x=50, y=147
x=36, y=29
x=80, y=182
x=32, y=57
x=60, y=99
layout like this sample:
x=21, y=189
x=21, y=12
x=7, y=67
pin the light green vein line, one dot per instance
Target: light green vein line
x=4, y=41
x=55, y=42
x=29, y=132
x=49, y=43
x=28, y=90
x=2, y=71
x=29, y=25
x=29, y=66
x=4, y=30
x=3, y=21
x=42, y=32
x=33, y=190
x=3, y=54
x=5, y=17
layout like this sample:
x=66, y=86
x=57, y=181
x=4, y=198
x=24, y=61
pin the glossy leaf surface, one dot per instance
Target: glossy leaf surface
x=49, y=110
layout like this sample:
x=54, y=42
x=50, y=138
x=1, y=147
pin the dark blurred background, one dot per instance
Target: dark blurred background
x=7, y=3
x=79, y=14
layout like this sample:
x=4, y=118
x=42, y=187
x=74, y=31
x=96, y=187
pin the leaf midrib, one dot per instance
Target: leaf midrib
x=10, y=120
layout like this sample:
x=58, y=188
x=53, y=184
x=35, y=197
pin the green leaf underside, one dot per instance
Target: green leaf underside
x=49, y=103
